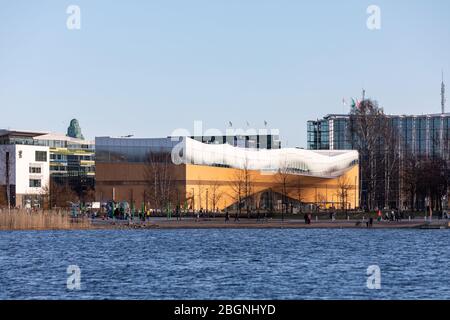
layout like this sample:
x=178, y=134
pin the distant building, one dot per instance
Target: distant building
x=24, y=170
x=74, y=130
x=71, y=160
x=135, y=170
x=253, y=141
x=414, y=136
x=425, y=135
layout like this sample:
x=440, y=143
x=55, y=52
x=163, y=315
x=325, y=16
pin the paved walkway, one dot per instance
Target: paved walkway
x=191, y=223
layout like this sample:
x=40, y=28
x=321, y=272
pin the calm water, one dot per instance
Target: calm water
x=225, y=264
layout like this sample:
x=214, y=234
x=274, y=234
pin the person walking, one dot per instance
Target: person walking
x=227, y=216
x=177, y=212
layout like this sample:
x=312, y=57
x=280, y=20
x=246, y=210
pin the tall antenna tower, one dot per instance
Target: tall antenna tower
x=443, y=94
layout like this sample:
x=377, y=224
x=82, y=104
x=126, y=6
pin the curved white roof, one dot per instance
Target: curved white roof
x=292, y=160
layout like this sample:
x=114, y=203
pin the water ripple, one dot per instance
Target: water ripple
x=225, y=264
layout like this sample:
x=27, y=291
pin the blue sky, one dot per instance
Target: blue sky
x=149, y=67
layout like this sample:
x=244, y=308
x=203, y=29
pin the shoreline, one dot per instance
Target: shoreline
x=218, y=223
x=244, y=223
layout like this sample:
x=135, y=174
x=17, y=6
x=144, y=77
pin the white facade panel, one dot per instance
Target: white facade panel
x=307, y=162
x=22, y=158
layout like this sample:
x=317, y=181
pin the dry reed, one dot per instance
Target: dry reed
x=41, y=220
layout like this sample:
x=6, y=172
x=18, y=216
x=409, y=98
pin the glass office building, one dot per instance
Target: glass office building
x=250, y=141
x=416, y=137
x=425, y=135
x=71, y=160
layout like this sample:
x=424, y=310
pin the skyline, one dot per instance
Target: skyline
x=149, y=68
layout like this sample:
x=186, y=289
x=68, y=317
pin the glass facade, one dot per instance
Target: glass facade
x=256, y=141
x=130, y=150
x=382, y=183
x=318, y=135
x=292, y=161
x=40, y=156
x=13, y=140
x=426, y=135
x=72, y=161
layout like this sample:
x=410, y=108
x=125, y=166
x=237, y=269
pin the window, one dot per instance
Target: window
x=35, y=183
x=35, y=170
x=41, y=156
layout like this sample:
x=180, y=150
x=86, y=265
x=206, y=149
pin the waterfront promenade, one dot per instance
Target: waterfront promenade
x=55, y=220
x=243, y=223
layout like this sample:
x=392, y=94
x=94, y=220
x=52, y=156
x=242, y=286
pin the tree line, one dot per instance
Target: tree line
x=165, y=189
x=392, y=173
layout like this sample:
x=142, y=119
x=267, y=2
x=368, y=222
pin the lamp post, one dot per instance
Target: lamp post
x=206, y=200
x=193, y=200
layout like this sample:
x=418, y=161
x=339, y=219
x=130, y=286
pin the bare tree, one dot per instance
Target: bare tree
x=200, y=189
x=61, y=195
x=160, y=182
x=390, y=159
x=215, y=195
x=409, y=179
x=89, y=195
x=425, y=181
x=342, y=192
x=367, y=127
x=298, y=188
x=283, y=174
x=248, y=187
x=45, y=196
x=238, y=189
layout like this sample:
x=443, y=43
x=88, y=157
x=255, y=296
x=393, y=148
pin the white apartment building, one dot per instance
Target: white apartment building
x=25, y=171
